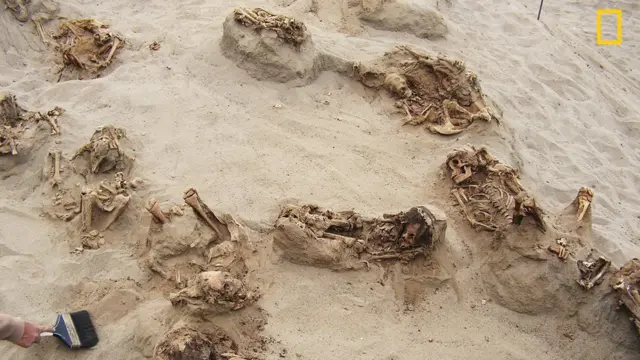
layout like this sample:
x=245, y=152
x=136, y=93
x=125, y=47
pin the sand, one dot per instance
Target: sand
x=197, y=118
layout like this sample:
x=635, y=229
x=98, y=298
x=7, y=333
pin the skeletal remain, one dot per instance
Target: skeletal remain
x=397, y=85
x=562, y=242
x=64, y=200
x=10, y=125
x=460, y=195
x=37, y=11
x=489, y=192
x=526, y=206
x=192, y=199
x=56, y=179
x=153, y=206
x=626, y=281
x=87, y=200
x=47, y=12
x=592, y=271
x=15, y=121
x=214, y=292
x=87, y=45
x=187, y=343
x=583, y=201
x=310, y=235
x=92, y=240
x=19, y=9
x=186, y=245
x=222, y=253
x=559, y=250
x=105, y=152
x=52, y=118
x=436, y=92
x=77, y=251
x=111, y=198
x=456, y=119
x=287, y=28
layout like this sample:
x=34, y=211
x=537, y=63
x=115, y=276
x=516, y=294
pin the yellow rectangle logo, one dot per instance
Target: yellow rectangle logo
x=618, y=39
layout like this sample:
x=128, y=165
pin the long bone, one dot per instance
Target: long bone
x=192, y=198
x=57, y=179
x=153, y=207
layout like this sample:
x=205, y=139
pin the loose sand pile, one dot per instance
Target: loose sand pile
x=321, y=227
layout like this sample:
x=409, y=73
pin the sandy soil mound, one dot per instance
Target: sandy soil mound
x=181, y=244
x=403, y=16
x=355, y=17
x=269, y=46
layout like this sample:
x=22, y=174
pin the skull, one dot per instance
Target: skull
x=397, y=84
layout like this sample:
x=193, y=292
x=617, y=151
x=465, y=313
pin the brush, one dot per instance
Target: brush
x=75, y=329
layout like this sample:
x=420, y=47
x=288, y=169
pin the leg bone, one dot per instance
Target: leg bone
x=114, y=47
x=153, y=207
x=57, y=179
x=86, y=205
x=192, y=198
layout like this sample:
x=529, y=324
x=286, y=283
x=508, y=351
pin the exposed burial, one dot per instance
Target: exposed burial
x=87, y=47
x=19, y=128
x=436, y=92
x=312, y=235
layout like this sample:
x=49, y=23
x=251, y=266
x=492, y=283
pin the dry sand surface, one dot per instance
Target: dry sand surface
x=252, y=134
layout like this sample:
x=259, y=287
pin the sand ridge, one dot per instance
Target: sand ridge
x=207, y=106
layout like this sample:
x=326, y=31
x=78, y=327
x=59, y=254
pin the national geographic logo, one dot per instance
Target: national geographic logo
x=618, y=17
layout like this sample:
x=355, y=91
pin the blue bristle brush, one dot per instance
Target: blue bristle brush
x=75, y=329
